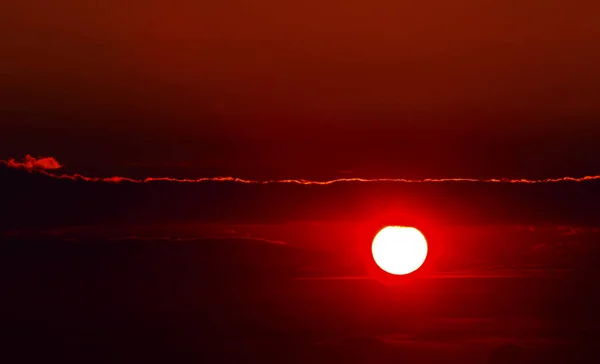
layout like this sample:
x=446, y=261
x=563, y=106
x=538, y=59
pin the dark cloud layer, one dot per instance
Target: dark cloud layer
x=229, y=300
x=36, y=199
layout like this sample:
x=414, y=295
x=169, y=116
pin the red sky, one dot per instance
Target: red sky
x=170, y=78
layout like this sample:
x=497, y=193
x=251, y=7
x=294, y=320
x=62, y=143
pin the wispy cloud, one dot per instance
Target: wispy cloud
x=184, y=239
x=483, y=274
x=45, y=165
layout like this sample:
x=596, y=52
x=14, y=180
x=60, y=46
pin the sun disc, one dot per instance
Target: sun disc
x=399, y=250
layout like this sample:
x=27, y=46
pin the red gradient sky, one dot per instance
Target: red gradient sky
x=391, y=86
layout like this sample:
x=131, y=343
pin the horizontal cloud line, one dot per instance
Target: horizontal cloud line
x=184, y=239
x=44, y=165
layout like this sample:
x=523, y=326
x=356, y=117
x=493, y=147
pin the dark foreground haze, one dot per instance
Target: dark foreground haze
x=224, y=272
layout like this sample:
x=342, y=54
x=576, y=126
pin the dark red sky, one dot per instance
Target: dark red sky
x=215, y=84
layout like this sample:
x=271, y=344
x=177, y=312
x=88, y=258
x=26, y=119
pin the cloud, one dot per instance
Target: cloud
x=31, y=163
x=181, y=239
x=45, y=164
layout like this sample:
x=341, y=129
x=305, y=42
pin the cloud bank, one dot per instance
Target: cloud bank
x=45, y=164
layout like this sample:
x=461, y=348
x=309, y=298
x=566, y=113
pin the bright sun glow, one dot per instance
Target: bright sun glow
x=399, y=250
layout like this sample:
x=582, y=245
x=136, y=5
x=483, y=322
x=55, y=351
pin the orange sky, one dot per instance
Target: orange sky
x=268, y=57
x=145, y=69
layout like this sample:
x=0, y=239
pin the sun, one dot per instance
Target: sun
x=399, y=250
